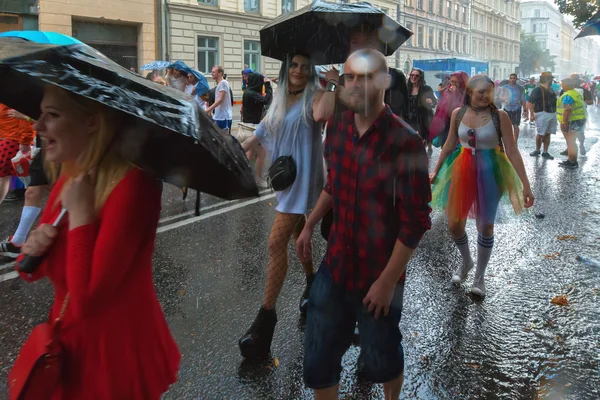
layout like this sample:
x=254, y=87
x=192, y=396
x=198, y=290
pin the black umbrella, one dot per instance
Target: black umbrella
x=322, y=30
x=592, y=27
x=443, y=74
x=166, y=133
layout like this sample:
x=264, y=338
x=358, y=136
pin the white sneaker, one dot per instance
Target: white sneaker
x=262, y=184
x=461, y=273
x=478, y=288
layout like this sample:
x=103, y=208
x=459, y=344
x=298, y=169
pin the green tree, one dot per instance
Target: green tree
x=581, y=10
x=533, y=57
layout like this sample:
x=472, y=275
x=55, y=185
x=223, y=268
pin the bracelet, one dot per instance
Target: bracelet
x=331, y=86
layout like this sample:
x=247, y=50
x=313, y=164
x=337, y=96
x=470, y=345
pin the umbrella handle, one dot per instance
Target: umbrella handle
x=29, y=263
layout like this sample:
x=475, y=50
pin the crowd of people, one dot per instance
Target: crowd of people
x=367, y=183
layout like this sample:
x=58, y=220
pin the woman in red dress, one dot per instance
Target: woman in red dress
x=116, y=340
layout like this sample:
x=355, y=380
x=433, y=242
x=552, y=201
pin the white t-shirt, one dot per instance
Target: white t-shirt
x=224, y=112
x=177, y=83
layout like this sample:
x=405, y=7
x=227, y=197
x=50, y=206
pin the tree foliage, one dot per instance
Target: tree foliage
x=533, y=57
x=581, y=10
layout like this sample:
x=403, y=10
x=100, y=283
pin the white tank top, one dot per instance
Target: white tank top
x=486, y=137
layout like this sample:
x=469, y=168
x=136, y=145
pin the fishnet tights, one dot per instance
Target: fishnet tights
x=284, y=228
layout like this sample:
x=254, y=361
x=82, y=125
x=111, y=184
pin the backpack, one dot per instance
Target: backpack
x=495, y=120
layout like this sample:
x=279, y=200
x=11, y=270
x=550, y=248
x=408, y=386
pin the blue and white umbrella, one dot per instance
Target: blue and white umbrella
x=155, y=65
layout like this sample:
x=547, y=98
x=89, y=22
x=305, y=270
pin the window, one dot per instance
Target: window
x=457, y=43
x=252, y=6
x=544, y=28
x=449, y=41
x=481, y=53
x=536, y=13
x=406, y=67
x=431, y=38
x=449, y=7
x=464, y=48
x=420, y=36
x=440, y=39
x=208, y=53
x=464, y=13
x=252, y=54
x=408, y=3
x=441, y=8
x=431, y=7
x=534, y=28
x=287, y=6
x=209, y=2
x=420, y=4
x=410, y=41
x=481, y=21
x=475, y=21
x=543, y=44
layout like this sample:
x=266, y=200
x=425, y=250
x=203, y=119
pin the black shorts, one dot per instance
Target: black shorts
x=36, y=171
x=515, y=117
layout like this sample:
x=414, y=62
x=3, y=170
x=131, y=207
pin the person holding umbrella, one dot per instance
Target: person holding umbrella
x=292, y=137
x=113, y=330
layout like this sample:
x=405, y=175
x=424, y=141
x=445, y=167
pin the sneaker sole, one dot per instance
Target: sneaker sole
x=477, y=292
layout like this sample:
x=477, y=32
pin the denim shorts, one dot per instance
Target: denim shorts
x=224, y=124
x=330, y=320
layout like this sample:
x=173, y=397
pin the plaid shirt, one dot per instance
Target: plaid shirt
x=380, y=188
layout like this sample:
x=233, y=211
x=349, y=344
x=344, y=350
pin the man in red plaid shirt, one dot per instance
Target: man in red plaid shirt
x=378, y=187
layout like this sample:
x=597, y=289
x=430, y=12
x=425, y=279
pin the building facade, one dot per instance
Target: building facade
x=123, y=30
x=18, y=15
x=555, y=32
x=495, y=35
x=204, y=33
x=543, y=21
x=440, y=27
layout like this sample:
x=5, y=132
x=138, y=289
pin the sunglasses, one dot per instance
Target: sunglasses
x=472, y=141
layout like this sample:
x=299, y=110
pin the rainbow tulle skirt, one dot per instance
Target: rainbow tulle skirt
x=472, y=185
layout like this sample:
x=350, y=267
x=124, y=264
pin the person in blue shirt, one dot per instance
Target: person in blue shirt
x=513, y=99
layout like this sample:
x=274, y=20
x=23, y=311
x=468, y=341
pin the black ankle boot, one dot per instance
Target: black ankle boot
x=256, y=343
x=304, y=298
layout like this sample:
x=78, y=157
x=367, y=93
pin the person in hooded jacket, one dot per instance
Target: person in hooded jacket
x=254, y=105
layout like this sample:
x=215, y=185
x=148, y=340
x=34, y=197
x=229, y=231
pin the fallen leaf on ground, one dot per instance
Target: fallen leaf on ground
x=270, y=203
x=554, y=255
x=509, y=282
x=566, y=237
x=181, y=292
x=568, y=384
x=560, y=300
x=416, y=334
x=276, y=362
x=559, y=339
x=593, y=211
x=474, y=365
x=527, y=329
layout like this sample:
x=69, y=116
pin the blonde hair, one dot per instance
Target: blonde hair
x=101, y=157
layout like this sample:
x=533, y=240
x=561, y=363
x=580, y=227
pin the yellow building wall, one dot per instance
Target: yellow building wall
x=57, y=16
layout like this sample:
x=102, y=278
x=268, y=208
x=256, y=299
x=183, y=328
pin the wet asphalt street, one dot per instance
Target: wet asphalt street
x=515, y=344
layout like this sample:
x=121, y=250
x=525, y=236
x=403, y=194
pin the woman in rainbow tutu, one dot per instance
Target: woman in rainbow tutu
x=478, y=166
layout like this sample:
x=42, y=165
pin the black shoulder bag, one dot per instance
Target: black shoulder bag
x=282, y=172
